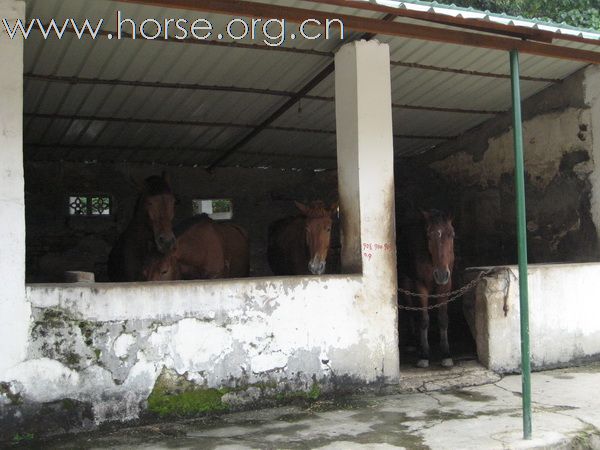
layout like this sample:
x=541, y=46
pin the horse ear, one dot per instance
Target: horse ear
x=425, y=214
x=302, y=207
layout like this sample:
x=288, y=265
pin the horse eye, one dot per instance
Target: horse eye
x=439, y=233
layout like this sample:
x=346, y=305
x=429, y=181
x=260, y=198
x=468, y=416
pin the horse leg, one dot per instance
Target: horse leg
x=423, y=361
x=443, y=319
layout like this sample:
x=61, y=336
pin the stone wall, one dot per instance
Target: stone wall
x=108, y=352
x=57, y=242
x=561, y=153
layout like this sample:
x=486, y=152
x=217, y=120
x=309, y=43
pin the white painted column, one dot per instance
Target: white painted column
x=14, y=309
x=365, y=149
x=592, y=98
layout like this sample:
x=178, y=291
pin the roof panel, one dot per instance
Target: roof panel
x=249, y=67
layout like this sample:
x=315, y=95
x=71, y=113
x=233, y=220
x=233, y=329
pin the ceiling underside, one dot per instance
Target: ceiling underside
x=190, y=103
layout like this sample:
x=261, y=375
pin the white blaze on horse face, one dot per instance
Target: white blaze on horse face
x=441, y=248
x=318, y=237
x=161, y=211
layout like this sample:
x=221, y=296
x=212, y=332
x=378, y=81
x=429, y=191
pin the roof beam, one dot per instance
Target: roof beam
x=164, y=85
x=163, y=150
x=229, y=124
x=377, y=26
x=446, y=110
x=472, y=24
x=474, y=73
x=200, y=87
x=147, y=121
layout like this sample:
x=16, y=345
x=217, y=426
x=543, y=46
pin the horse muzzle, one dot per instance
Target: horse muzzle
x=316, y=267
x=441, y=277
x=165, y=243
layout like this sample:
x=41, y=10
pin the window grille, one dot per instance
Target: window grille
x=90, y=205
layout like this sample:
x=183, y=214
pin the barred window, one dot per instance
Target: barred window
x=96, y=205
x=217, y=209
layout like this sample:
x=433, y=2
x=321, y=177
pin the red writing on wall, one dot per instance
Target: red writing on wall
x=369, y=249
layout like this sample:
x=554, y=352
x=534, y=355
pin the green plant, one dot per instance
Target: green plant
x=19, y=438
x=578, y=13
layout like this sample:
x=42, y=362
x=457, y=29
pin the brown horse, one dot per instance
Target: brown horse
x=205, y=249
x=429, y=251
x=150, y=231
x=299, y=245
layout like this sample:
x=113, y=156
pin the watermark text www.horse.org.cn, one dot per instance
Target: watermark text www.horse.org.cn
x=272, y=32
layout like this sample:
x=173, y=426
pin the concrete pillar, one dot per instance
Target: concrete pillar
x=592, y=98
x=14, y=309
x=365, y=151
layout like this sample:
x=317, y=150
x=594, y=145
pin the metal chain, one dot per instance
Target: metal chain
x=452, y=295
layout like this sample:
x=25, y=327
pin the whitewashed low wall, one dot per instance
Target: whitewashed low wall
x=108, y=347
x=564, y=319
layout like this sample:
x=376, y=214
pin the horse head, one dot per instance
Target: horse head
x=440, y=242
x=157, y=203
x=319, y=220
x=159, y=267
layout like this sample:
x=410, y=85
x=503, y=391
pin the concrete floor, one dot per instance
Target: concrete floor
x=566, y=415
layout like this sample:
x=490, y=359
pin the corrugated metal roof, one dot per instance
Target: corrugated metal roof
x=66, y=121
x=505, y=19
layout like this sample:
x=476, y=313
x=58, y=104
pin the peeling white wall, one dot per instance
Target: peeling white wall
x=592, y=98
x=561, y=152
x=213, y=333
x=547, y=138
x=14, y=311
x=563, y=319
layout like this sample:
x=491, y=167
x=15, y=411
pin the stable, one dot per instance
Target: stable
x=418, y=90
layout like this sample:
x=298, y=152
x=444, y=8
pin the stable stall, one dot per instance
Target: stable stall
x=258, y=123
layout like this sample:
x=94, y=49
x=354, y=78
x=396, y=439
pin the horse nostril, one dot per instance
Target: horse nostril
x=441, y=276
x=322, y=268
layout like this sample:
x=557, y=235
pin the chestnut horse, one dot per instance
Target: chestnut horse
x=205, y=249
x=150, y=231
x=299, y=245
x=429, y=251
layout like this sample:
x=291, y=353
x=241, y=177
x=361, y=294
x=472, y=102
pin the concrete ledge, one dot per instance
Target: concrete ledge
x=564, y=311
x=131, y=301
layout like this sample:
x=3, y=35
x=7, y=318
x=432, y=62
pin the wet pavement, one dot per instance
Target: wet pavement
x=441, y=412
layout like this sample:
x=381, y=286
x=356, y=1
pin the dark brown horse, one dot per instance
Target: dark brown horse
x=150, y=231
x=299, y=245
x=205, y=249
x=427, y=269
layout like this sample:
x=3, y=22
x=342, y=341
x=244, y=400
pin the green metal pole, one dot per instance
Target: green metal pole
x=522, y=241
